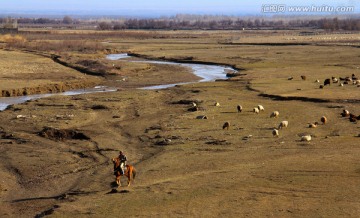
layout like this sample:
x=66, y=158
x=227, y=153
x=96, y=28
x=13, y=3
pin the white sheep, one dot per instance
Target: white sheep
x=275, y=133
x=217, y=104
x=261, y=108
x=306, y=138
x=274, y=114
x=256, y=110
x=283, y=124
x=313, y=125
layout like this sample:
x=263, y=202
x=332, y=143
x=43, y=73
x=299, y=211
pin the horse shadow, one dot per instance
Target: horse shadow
x=115, y=191
x=114, y=184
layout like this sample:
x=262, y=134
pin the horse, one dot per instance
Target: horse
x=130, y=171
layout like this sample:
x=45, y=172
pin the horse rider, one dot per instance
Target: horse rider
x=123, y=159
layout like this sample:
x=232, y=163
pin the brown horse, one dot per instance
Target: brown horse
x=130, y=171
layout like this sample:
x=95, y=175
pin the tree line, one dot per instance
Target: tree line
x=350, y=24
x=204, y=22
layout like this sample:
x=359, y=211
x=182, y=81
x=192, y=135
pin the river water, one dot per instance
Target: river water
x=206, y=72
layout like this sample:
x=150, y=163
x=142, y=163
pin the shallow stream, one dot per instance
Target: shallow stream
x=206, y=72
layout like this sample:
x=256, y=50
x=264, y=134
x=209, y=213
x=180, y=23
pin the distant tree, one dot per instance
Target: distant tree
x=67, y=20
x=213, y=24
x=226, y=23
x=104, y=26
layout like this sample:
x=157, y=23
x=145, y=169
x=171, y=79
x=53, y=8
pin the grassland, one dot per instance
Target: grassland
x=190, y=167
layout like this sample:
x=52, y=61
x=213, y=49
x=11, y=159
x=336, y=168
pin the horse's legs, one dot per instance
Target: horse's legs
x=118, y=182
x=129, y=177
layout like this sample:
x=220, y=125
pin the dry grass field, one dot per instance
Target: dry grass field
x=188, y=167
x=24, y=74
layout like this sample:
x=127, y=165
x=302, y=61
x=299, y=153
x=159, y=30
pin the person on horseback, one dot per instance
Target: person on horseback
x=123, y=159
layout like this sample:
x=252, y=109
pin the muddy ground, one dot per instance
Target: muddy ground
x=56, y=157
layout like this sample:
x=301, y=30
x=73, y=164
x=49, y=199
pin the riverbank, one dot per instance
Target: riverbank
x=28, y=74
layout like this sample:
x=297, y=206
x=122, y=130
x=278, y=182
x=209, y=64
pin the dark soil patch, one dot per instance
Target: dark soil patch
x=99, y=107
x=62, y=134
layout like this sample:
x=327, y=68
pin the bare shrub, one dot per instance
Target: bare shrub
x=10, y=39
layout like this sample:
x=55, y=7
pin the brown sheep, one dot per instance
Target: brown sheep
x=345, y=113
x=327, y=82
x=226, y=125
x=303, y=77
x=324, y=120
x=239, y=108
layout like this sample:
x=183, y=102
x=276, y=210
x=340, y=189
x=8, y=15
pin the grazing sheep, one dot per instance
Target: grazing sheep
x=345, y=113
x=341, y=84
x=321, y=87
x=353, y=77
x=356, y=82
x=274, y=114
x=317, y=81
x=352, y=118
x=283, y=124
x=323, y=119
x=348, y=79
x=217, y=104
x=193, y=108
x=352, y=115
x=193, y=104
x=303, y=77
x=239, y=108
x=275, y=133
x=327, y=82
x=256, y=110
x=335, y=80
x=313, y=125
x=306, y=138
x=290, y=78
x=261, y=108
x=226, y=125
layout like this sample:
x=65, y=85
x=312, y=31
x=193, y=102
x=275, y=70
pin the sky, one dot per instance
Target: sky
x=162, y=7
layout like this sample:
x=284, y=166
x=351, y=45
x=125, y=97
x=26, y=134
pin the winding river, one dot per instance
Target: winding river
x=206, y=72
